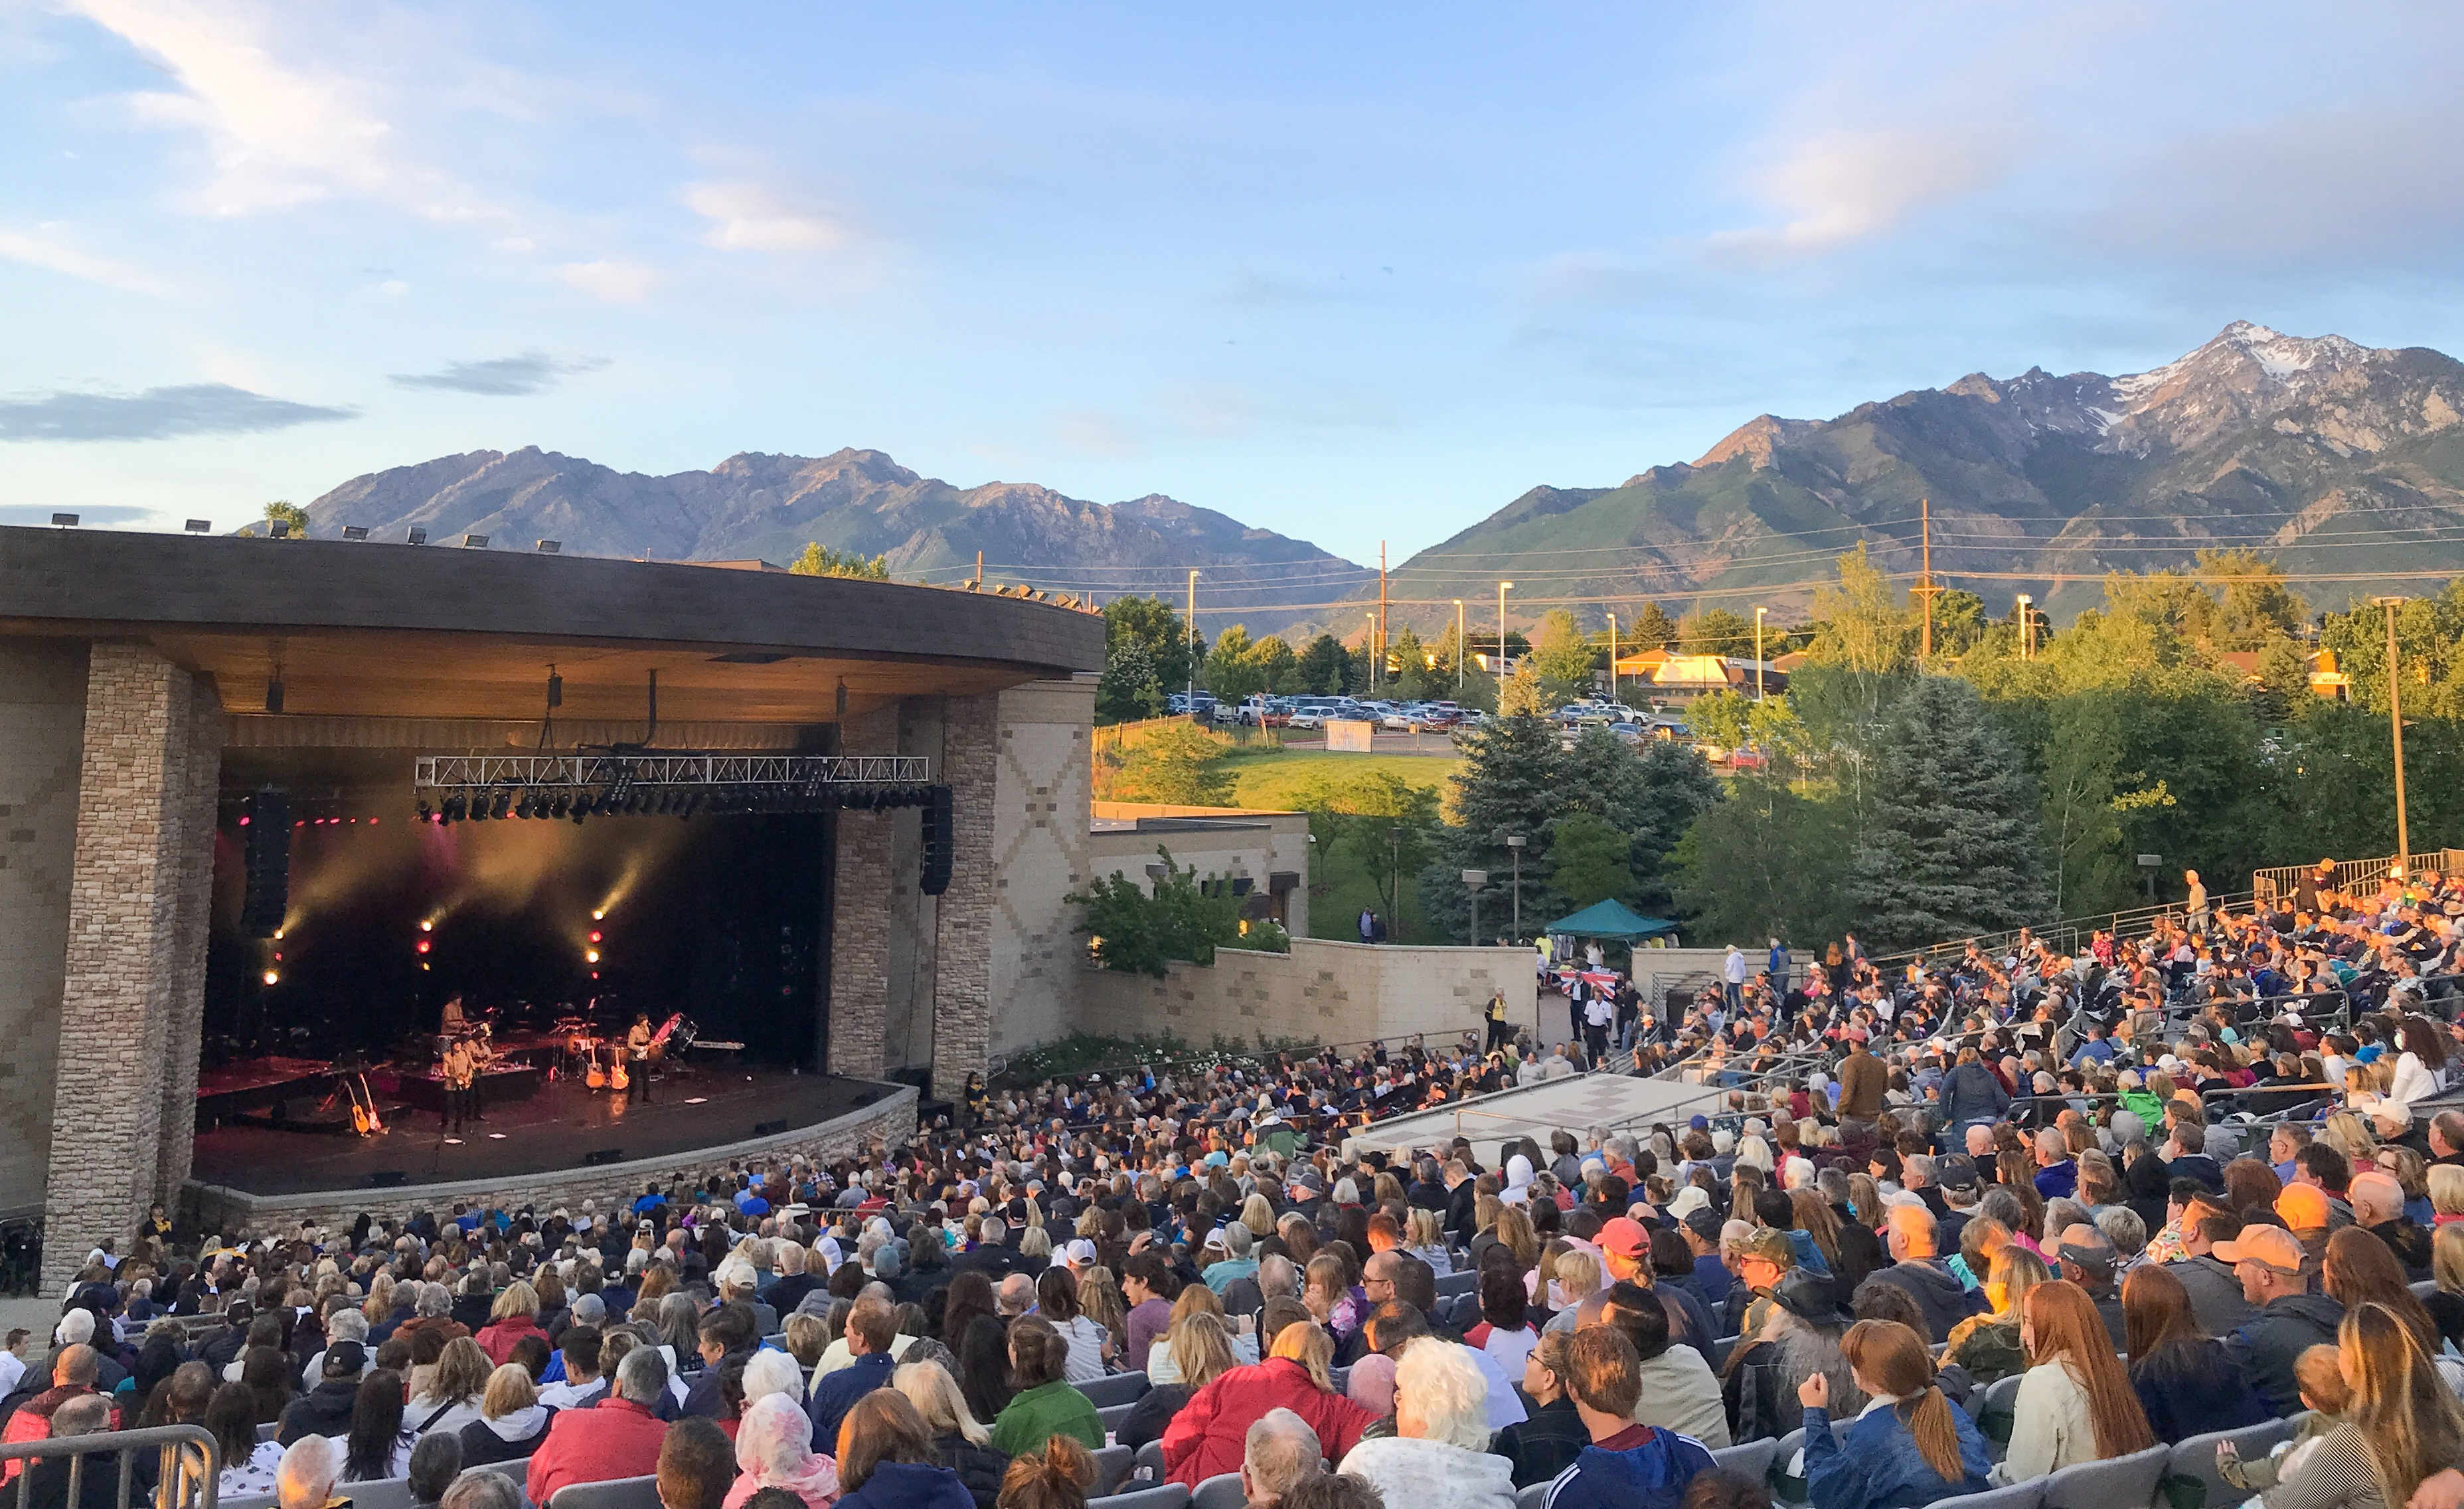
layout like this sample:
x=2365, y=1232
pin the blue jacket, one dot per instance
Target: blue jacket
x=1878, y=1465
x=1652, y=1475
x=837, y=1393
x=907, y=1485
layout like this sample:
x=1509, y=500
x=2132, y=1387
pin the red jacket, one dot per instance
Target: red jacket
x=1206, y=1438
x=614, y=1438
x=497, y=1340
x=32, y=1421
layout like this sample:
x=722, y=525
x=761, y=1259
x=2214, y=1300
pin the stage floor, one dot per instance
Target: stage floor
x=554, y=1129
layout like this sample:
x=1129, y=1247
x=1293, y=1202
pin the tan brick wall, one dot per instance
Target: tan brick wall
x=42, y=719
x=891, y=1120
x=139, y=828
x=860, y=918
x=971, y=739
x=195, y=910
x=1321, y=991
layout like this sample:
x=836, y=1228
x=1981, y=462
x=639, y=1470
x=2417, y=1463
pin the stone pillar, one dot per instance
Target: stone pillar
x=195, y=919
x=135, y=867
x=962, y=985
x=42, y=715
x=860, y=916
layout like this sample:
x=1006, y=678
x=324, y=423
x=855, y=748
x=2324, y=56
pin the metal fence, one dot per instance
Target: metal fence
x=508, y=772
x=2349, y=874
x=187, y=1463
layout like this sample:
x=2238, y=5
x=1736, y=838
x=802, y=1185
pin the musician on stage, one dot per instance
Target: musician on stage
x=454, y=1022
x=637, y=1051
x=461, y=1084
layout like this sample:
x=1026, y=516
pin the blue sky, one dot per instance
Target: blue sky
x=1348, y=272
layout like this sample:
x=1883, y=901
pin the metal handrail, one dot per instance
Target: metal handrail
x=168, y=1439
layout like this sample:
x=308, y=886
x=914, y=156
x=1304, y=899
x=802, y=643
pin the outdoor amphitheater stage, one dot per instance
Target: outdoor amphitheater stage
x=556, y=1129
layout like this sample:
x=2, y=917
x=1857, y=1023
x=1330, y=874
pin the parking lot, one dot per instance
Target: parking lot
x=1386, y=743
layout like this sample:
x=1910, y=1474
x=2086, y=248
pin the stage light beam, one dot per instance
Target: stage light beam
x=273, y=977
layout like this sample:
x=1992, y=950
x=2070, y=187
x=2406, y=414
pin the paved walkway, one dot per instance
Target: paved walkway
x=1575, y=1105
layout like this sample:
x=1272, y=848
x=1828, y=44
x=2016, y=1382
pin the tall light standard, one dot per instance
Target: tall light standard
x=1461, y=653
x=1612, y=657
x=1370, y=634
x=1501, y=644
x=1473, y=880
x=1514, y=843
x=1758, y=653
x=2396, y=728
x=1191, y=696
x=2027, y=628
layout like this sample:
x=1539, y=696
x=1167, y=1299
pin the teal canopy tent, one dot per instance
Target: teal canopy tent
x=1612, y=920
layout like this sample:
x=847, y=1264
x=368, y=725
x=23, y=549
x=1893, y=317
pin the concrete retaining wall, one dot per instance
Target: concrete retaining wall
x=1321, y=991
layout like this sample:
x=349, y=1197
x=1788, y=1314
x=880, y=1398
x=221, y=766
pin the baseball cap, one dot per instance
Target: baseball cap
x=1957, y=1171
x=1624, y=1236
x=2272, y=1245
x=1770, y=1244
x=1704, y=1223
x=345, y=1360
x=2302, y=1206
x=1081, y=1250
x=1690, y=1199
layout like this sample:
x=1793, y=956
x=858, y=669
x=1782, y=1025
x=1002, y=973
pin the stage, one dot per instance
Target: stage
x=554, y=1130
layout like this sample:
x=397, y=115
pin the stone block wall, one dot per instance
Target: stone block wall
x=42, y=723
x=1326, y=992
x=891, y=1120
x=971, y=739
x=1043, y=852
x=128, y=966
x=859, y=968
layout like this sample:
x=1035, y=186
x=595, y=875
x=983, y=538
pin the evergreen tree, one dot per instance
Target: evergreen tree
x=1651, y=795
x=1513, y=782
x=1565, y=654
x=1652, y=629
x=1716, y=631
x=1588, y=861
x=1952, y=846
x=1161, y=656
x=1409, y=662
x=1323, y=666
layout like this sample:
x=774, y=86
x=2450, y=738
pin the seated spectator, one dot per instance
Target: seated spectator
x=2401, y=1427
x=46, y=1482
x=511, y=1422
x=479, y=1490
x=2325, y=1394
x=885, y=1458
x=1205, y=1354
x=1799, y=1335
x=2186, y=1381
x=326, y=1409
x=435, y=1463
x=248, y=1464
x=1627, y=1466
x=1551, y=1435
x=1505, y=1331
x=871, y=1328
x=1280, y=1451
x=1988, y=1345
x=2075, y=1403
x=305, y=1480
x=1163, y=1364
x=1439, y=1455
x=2269, y=1260
x=1055, y=1475
x=1056, y=1300
x=1916, y=1266
x=1044, y=1403
x=696, y=1465
x=514, y=1316
x=617, y=1438
x=963, y=1444
x=1678, y=1391
x=1206, y=1438
x=582, y=1386
x=455, y=1390
x=1907, y=1453
x=378, y=1446
x=774, y=1449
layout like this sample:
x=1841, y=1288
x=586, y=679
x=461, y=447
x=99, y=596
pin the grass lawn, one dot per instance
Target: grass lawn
x=1269, y=780
x=1342, y=888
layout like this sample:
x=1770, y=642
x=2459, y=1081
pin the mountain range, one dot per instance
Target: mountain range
x=2331, y=459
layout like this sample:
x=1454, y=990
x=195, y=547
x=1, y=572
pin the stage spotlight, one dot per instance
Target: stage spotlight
x=523, y=807
x=427, y=926
x=277, y=934
x=594, y=935
x=422, y=946
x=425, y=812
x=590, y=956
x=455, y=806
x=273, y=977
x=563, y=805
x=597, y=914
x=504, y=805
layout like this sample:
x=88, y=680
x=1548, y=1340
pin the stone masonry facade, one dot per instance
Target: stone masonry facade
x=43, y=718
x=962, y=983
x=859, y=978
x=145, y=835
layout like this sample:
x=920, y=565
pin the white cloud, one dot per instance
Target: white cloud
x=36, y=249
x=747, y=217
x=1836, y=188
x=618, y=282
x=277, y=135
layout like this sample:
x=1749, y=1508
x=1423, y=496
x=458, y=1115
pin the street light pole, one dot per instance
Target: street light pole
x=1374, y=658
x=1514, y=843
x=1462, y=651
x=1501, y=644
x=1612, y=657
x=2395, y=729
x=2027, y=626
x=1758, y=653
x=1473, y=880
x=1191, y=694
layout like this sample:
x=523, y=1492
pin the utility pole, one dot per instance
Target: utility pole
x=980, y=572
x=1758, y=651
x=1378, y=656
x=1461, y=651
x=1191, y=696
x=1501, y=644
x=1612, y=657
x=2027, y=626
x=1375, y=661
x=1925, y=576
x=2396, y=728
x=1514, y=843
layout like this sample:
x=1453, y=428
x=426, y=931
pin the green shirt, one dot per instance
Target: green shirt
x=1042, y=1413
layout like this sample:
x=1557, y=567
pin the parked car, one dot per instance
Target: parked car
x=1747, y=758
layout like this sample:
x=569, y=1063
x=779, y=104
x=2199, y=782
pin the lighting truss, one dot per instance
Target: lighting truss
x=680, y=785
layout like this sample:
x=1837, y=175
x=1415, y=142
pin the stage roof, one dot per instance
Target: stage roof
x=366, y=630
